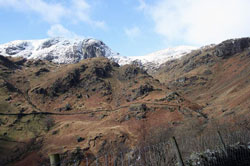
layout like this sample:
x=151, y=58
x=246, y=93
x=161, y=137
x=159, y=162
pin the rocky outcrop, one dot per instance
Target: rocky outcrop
x=143, y=90
x=138, y=111
x=130, y=71
x=61, y=85
x=4, y=61
x=41, y=70
x=231, y=47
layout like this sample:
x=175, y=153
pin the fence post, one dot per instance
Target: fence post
x=97, y=161
x=54, y=159
x=115, y=161
x=222, y=142
x=87, y=162
x=178, y=153
x=106, y=160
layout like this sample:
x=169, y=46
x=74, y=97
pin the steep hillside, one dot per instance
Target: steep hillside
x=217, y=77
x=92, y=106
x=96, y=106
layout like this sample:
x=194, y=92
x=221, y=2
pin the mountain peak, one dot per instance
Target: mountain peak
x=58, y=50
x=63, y=50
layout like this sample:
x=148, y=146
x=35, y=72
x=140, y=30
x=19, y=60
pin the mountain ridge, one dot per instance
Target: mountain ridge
x=62, y=50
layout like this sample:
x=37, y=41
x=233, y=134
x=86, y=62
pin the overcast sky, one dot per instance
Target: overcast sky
x=130, y=27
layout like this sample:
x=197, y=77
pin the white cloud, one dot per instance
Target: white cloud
x=132, y=32
x=77, y=10
x=80, y=10
x=142, y=5
x=200, y=21
x=58, y=30
x=50, y=12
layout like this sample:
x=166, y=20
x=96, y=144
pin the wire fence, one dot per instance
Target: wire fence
x=221, y=149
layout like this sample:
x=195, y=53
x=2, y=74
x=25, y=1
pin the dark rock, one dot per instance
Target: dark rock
x=11, y=87
x=102, y=116
x=138, y=107
x=12, y=50
x=190, y=66
x=62, y=85
x=8, y=98
x=140, y=116
x=38, y=62
x=193, y=79
x=54, y=132
x=127, y=117
x=186, y=61
x=68, y=107
x=40, y=90
x=21, y=61
x=94, y=49
x=42, y=70
x=207, y=72
x=231, y=47
x=80, y=139
x=92, y=114
x=130, y=71
x=79, y=96
x=103, y=72
x=7, y=62
x=172, y=96
x=115, y=64
x=142, y=90
x=49, y=43
x=22, y=110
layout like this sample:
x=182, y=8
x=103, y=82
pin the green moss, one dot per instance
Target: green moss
x=23, y=128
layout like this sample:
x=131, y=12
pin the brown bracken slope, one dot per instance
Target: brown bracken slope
x=94, y=106
x=217, y=77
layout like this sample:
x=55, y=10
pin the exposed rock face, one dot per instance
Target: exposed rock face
x=142, y=90
x=7, y=63
x=130, y=72
x=63, y=84
x=92, y=49
x=230, y=47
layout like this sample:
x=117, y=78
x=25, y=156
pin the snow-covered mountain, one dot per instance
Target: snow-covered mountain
x=58, y=50
x=61, y=50
x=155, y=59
